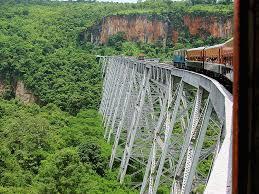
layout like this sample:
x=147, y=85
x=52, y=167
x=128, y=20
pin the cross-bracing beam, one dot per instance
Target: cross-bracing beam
x=166, y=123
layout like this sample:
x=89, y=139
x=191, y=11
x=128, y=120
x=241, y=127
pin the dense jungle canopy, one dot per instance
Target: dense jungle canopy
x=57, y=146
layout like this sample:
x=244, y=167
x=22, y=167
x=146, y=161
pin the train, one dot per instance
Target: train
x=215, y=61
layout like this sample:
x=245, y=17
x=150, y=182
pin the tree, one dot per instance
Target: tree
x=116, y=40
x=90, y=153
x=61, y=172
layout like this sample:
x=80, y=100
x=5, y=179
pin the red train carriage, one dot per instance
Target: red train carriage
x=213, y=53
x=195, y=59
x=227, y=53
x=214, y=61
x=195, y=54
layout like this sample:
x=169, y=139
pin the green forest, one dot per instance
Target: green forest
x=57, y=145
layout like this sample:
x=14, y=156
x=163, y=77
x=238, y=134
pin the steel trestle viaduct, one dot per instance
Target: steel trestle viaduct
x=167, y=126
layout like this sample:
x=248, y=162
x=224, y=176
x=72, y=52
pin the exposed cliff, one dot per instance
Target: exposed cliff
x=22, y=93
x=17, y=90
x=166, y=29
x=215, y=26
x=136, y=28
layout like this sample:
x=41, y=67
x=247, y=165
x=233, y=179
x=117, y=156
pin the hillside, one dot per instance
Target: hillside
x=167, y=28
x=56, y=145
x=40, y=44
x=45, y=150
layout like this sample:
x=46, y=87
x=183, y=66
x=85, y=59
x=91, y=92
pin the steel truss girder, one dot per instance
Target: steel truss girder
x=159, y=118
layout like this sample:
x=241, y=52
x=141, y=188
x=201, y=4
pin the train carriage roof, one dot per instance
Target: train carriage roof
x=223, y=45
x=228, y=44
x=214, y=46
x=230, y=40
x=196, y=49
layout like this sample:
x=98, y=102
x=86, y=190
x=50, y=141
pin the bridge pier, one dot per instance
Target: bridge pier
x=165, y=125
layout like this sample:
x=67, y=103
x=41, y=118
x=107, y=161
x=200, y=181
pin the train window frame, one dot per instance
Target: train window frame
x=245, y=169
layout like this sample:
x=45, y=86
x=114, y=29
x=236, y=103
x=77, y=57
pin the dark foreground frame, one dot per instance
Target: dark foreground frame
x=246, y=98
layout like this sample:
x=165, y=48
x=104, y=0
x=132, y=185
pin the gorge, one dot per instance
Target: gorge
x=152, y=29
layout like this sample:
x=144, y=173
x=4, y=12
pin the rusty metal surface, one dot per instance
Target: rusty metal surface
x=245, y=92
x=235, y=98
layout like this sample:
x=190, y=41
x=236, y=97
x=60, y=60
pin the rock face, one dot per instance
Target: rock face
x=214, y=26
x=150, y=29
x=2, y=87
x=137, y=28
x=24, y=94
x=19, y=90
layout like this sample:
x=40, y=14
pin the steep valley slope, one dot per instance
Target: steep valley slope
x=48, y=56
